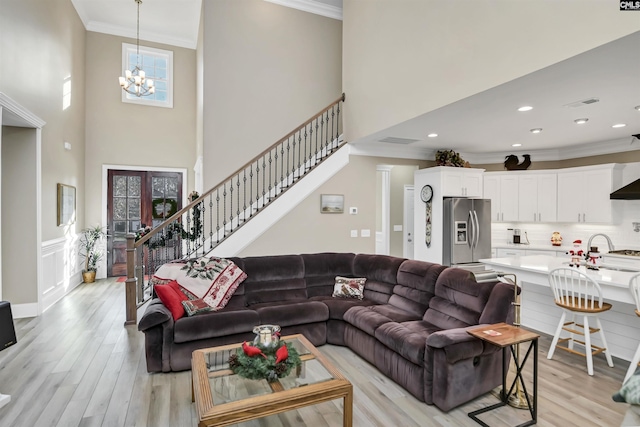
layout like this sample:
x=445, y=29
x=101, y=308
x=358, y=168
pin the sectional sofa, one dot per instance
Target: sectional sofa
x=411, y=323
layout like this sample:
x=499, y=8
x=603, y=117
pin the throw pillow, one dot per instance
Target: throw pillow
x=346, y=287
x=630, y=391
x=172, y=298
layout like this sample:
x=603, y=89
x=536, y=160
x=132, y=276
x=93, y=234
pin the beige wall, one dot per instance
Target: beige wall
x=404, y=58
x=42, y=44
x=129, y=134
x=626, y=157
x=306, y=230
x=267, y=69
x=19, y=238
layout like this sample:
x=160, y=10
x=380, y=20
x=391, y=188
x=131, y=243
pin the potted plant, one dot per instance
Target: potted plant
x=89, y=238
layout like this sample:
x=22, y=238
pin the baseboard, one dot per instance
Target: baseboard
x=21, y=311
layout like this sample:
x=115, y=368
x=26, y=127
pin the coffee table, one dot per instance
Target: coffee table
x=223, y=398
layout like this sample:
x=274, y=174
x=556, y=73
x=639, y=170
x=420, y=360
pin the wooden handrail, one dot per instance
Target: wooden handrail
x=184, y=210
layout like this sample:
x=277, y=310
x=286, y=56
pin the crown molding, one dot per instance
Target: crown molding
x=312, y=6
x=620, y=145
x=115, y=30
x=18, y=115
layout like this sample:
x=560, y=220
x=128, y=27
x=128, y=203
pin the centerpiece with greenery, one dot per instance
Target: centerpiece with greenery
x=89, y=250
x=270, y=362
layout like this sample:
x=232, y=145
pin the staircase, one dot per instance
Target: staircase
x=229, y=216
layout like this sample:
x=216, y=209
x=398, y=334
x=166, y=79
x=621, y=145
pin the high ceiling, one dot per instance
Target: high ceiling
x=483, y=126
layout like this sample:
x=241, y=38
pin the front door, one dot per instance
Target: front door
x=137, y=199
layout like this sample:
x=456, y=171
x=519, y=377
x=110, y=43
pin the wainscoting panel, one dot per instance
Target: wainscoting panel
x=61, y=270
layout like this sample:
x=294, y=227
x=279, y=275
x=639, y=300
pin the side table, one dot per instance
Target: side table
x=506, y=337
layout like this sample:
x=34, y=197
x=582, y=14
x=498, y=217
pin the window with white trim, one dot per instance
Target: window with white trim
x=158, y=66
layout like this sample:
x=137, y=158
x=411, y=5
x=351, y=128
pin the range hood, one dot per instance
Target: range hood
x=628, y=192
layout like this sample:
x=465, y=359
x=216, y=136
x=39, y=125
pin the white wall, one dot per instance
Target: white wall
x=404, y=58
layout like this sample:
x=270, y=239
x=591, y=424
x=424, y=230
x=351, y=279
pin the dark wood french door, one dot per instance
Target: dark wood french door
x=137, y=199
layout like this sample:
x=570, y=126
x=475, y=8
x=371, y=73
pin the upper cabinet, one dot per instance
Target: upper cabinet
x=537, y=201
x=461, y=182
x=502, y=189
x=583, y=193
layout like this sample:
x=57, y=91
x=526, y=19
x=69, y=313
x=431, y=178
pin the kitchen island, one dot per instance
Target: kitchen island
x=538, y=311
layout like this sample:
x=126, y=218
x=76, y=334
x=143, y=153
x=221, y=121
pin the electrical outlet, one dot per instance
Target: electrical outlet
x=365, y=233
x=354, y=233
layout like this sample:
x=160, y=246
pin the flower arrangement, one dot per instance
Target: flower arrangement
x=450, y=158
x=257, y=362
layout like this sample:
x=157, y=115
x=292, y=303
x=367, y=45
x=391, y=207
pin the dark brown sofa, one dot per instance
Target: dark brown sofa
x=411, y=324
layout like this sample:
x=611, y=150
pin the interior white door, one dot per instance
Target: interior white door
x=408, y=228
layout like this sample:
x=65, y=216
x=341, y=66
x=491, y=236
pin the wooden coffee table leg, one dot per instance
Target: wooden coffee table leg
x=347, y=420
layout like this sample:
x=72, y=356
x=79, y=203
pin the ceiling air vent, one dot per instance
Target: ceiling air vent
x=582, y=103
x=395, y=140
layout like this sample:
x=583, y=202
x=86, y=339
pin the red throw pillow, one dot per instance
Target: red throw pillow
x=172, y=297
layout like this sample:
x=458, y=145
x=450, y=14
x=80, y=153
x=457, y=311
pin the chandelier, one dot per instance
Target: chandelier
x=134, y=81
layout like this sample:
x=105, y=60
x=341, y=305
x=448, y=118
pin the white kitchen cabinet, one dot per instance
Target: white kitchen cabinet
x=540, y=252
x=504, y=253
x=538, y=197
x=502, y=189
x=462, y=182
x=583, y=193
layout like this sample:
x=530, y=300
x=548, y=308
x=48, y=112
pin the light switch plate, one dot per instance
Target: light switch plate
x=354, y=233
x=365, y=233
x=397, y=228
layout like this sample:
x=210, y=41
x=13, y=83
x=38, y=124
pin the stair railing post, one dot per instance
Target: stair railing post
x=130, y=283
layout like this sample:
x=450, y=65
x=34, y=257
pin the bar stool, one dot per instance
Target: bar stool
x=634, y=287
x=578, y=294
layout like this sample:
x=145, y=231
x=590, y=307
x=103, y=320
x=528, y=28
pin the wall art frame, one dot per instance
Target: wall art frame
x=66, y=204
x=332, y=203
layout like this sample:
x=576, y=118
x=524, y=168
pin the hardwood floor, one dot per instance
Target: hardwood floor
x=77, y=365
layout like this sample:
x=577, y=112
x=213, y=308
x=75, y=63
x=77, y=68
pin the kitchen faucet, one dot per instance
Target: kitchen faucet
x=609, y=242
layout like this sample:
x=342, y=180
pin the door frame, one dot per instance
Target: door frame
x=405, y=220
x=385, y=170
x=102, y=268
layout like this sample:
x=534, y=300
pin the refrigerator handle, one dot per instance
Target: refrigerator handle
x=476, y=229
x=471, y=234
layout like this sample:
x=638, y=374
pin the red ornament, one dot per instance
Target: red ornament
x=252, y=351
x=282, y=354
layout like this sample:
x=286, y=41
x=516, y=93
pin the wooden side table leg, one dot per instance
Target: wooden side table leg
x=347, y=420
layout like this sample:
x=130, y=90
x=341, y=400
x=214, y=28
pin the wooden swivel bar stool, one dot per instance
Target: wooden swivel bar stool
x=634, y=287
x=578, y=294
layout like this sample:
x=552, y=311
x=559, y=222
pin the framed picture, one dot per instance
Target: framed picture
x=66, y=204
x=331, y=203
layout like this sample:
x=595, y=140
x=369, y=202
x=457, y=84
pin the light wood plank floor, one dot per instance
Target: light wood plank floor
x=77, y=365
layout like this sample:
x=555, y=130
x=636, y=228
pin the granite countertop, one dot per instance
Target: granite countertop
x=533, y=246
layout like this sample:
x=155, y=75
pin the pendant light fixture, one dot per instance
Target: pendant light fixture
x=134, y=81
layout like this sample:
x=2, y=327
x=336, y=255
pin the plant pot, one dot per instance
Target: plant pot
x=88, y=276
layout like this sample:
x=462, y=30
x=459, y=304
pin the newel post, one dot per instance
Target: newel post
x=130, y=283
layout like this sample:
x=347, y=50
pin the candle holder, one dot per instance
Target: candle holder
x=267, y=335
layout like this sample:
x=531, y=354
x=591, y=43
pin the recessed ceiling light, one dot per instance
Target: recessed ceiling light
x=536, y=130
x=516, y=145
x=637, y=107
x=432, y=135
x=525, y=108
x=581, y=121
x=618, y=125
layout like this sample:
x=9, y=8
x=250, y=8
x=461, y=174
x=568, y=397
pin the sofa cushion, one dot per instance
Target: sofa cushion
x=459, y=300
x=408, y=339
x=379, y=268
x=394, y=313
x=365, y=319
x=416, y=285
x=215, y=324
x=274, y=279
x=339, y=306
x=293, y=313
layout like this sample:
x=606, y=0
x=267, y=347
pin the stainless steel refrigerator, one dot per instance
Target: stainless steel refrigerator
x=467, y=230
